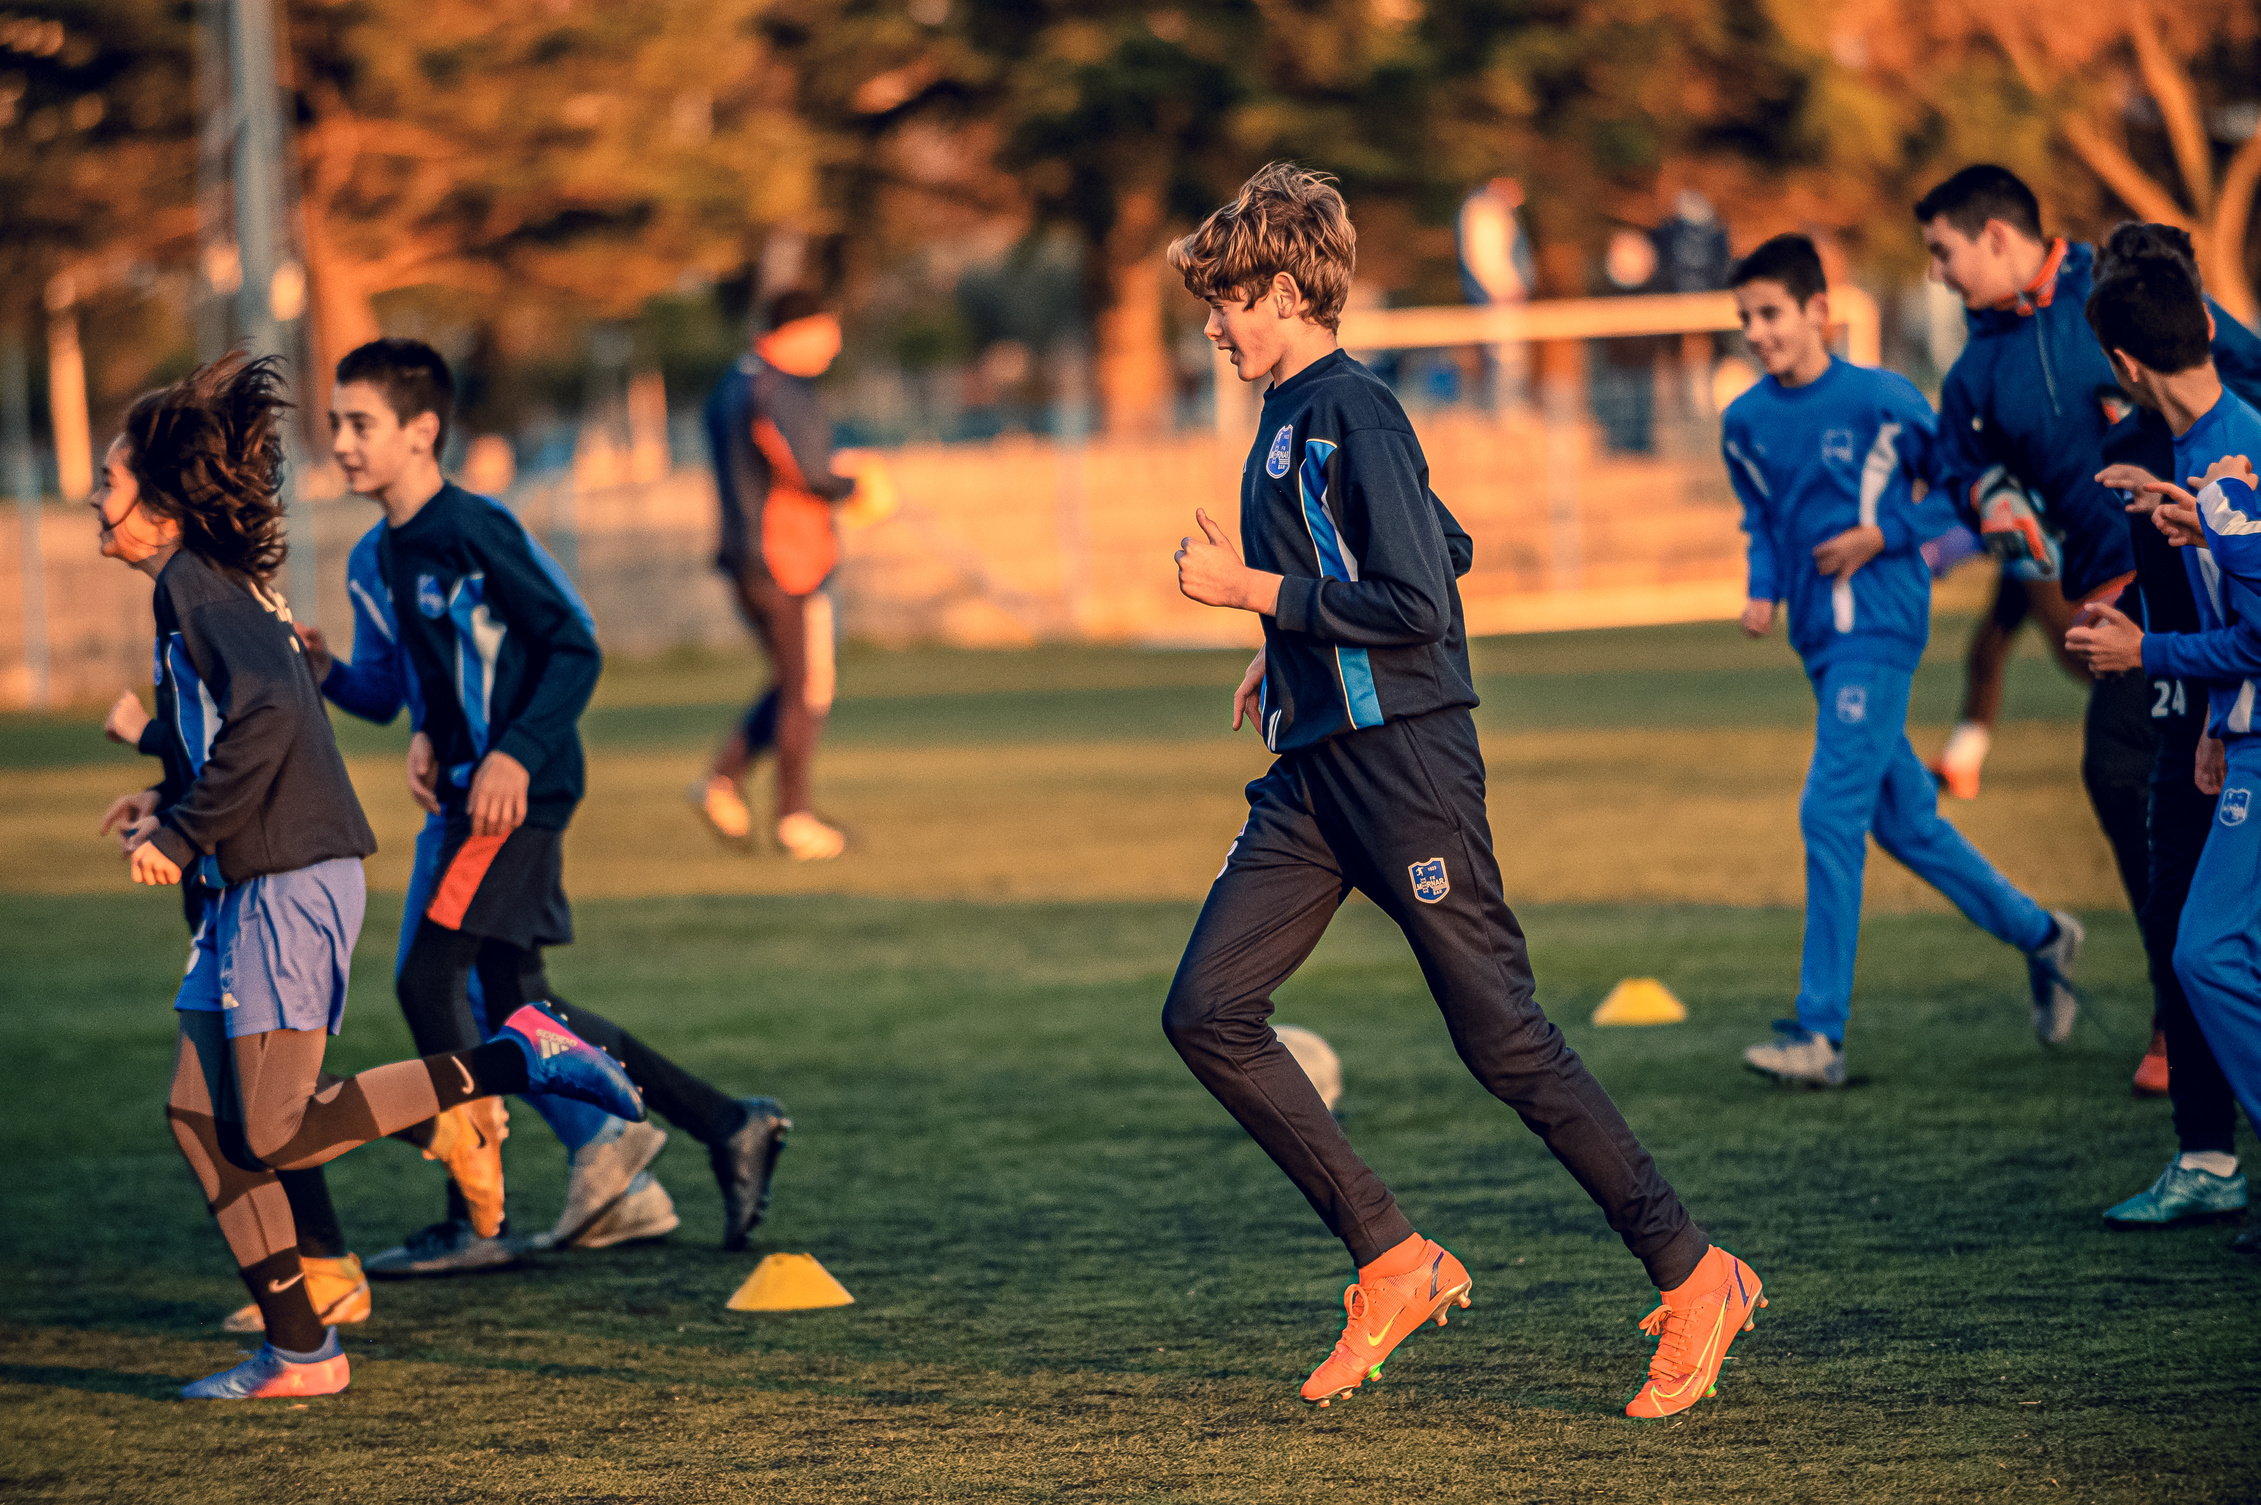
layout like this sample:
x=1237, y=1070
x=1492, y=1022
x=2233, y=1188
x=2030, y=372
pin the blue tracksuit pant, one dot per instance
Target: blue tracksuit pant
x=574, y=1123
x=1866, y=780
x=2218, y=952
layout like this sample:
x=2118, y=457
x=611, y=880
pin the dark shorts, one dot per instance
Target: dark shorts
x=504, y=888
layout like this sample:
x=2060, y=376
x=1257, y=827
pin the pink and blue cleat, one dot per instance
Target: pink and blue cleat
x=269, y=1375
x=559, y=1061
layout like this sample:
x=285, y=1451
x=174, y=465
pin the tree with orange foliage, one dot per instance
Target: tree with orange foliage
x=569, y=149
x=2157, y=99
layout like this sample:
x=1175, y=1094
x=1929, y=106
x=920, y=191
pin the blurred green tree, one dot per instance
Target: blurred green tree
x=526, y=149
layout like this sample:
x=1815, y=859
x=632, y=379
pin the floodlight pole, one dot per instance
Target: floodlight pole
x=272, y=296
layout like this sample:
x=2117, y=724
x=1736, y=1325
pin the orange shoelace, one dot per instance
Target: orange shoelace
x=1671, y=1339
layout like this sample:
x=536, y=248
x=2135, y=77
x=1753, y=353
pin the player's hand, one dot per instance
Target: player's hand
x=1248, y=699
x=1758, y=618
x=2236, y=467
x=2174, y=512
x=2213, y=765
x=1848, y=551
x=2106, y=639
x=127, y=720
x=423, y=773
x=144, y=860
x=1210, y=571
x=128, y=811
x=2130, y=479
x=498, y=795
x=318, y=655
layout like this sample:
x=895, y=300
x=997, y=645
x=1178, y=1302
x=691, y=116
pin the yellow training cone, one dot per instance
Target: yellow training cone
x=1640, y=1000
x=789, y=1283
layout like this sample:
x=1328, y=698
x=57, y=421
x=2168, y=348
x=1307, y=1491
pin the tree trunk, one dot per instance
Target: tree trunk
x=1133, y=368
x=344, y=316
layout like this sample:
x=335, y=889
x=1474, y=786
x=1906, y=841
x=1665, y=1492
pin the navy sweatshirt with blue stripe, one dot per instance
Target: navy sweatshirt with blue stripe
x=253, y=781
x=1335, y=497
x=502, y=649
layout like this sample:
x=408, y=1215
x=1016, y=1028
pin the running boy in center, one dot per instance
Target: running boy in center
x=1823, y=455
x=1363, y=691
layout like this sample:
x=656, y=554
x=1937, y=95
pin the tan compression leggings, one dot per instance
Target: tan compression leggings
x=243, y=1109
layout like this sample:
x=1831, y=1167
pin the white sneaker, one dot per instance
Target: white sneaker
x=603, y=1171
x=1798, y=1056
x=2050, y=970
x=807, y=839
x=647, y=1211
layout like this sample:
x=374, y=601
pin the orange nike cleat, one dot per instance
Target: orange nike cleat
x=467, y=1139
x=2151, y=1074
x=1697, y=1320
x=1383, y=1313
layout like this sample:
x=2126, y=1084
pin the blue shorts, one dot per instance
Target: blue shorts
x=274, y=952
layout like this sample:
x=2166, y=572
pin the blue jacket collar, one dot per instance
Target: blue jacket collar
x=2076, y=273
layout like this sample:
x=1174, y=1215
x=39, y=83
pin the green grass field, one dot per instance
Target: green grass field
x=1075, y=1277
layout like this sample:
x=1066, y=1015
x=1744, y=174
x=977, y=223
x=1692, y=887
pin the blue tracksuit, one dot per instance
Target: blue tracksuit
x=2218, y=952
x=1808, y=463
x=374, y=684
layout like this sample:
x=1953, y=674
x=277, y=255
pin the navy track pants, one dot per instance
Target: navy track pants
x=1397, y=812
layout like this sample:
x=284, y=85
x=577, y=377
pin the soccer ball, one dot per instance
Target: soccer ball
x=1317, y=1058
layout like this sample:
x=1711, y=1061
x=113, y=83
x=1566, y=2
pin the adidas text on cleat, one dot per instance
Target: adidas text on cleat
x=743, y=1165
x=337, y=1287
x=559, y=1061
x=445, y=1248
x=1383, y=1313
x=467, y=1139
x=603, y=1170
x=1693, y=1326
x=2050, y=969
x=1798, y=1056
x=268, y=1375
x=2182, y=1194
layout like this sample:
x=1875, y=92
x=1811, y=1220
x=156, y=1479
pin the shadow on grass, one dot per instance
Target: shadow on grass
x=92, y=1381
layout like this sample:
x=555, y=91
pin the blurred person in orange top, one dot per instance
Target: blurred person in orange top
x=776, y=482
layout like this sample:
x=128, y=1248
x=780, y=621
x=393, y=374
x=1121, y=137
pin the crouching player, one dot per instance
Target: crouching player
x=1824, y=455
x=257, y=803
x=498, y=654
x=2153, y=321
x=1363, y=691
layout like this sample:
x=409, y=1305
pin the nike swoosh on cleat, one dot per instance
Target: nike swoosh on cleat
x=277, y=1286
x=1434, y=1266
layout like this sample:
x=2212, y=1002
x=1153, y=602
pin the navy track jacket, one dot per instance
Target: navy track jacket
x=502, y=650
x=253, y=781
x=2023, y=395
x=1335, y=497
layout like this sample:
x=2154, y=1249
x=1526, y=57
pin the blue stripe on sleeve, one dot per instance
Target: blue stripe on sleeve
x=1335, y=563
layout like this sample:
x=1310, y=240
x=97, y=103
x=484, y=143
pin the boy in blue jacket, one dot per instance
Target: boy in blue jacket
x=2180, y=656
x=1824, y=456
x=2153, y=321
x=1363, y=690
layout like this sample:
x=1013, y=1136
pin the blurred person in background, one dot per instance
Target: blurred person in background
x=775, y=484
x=1496, y=266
